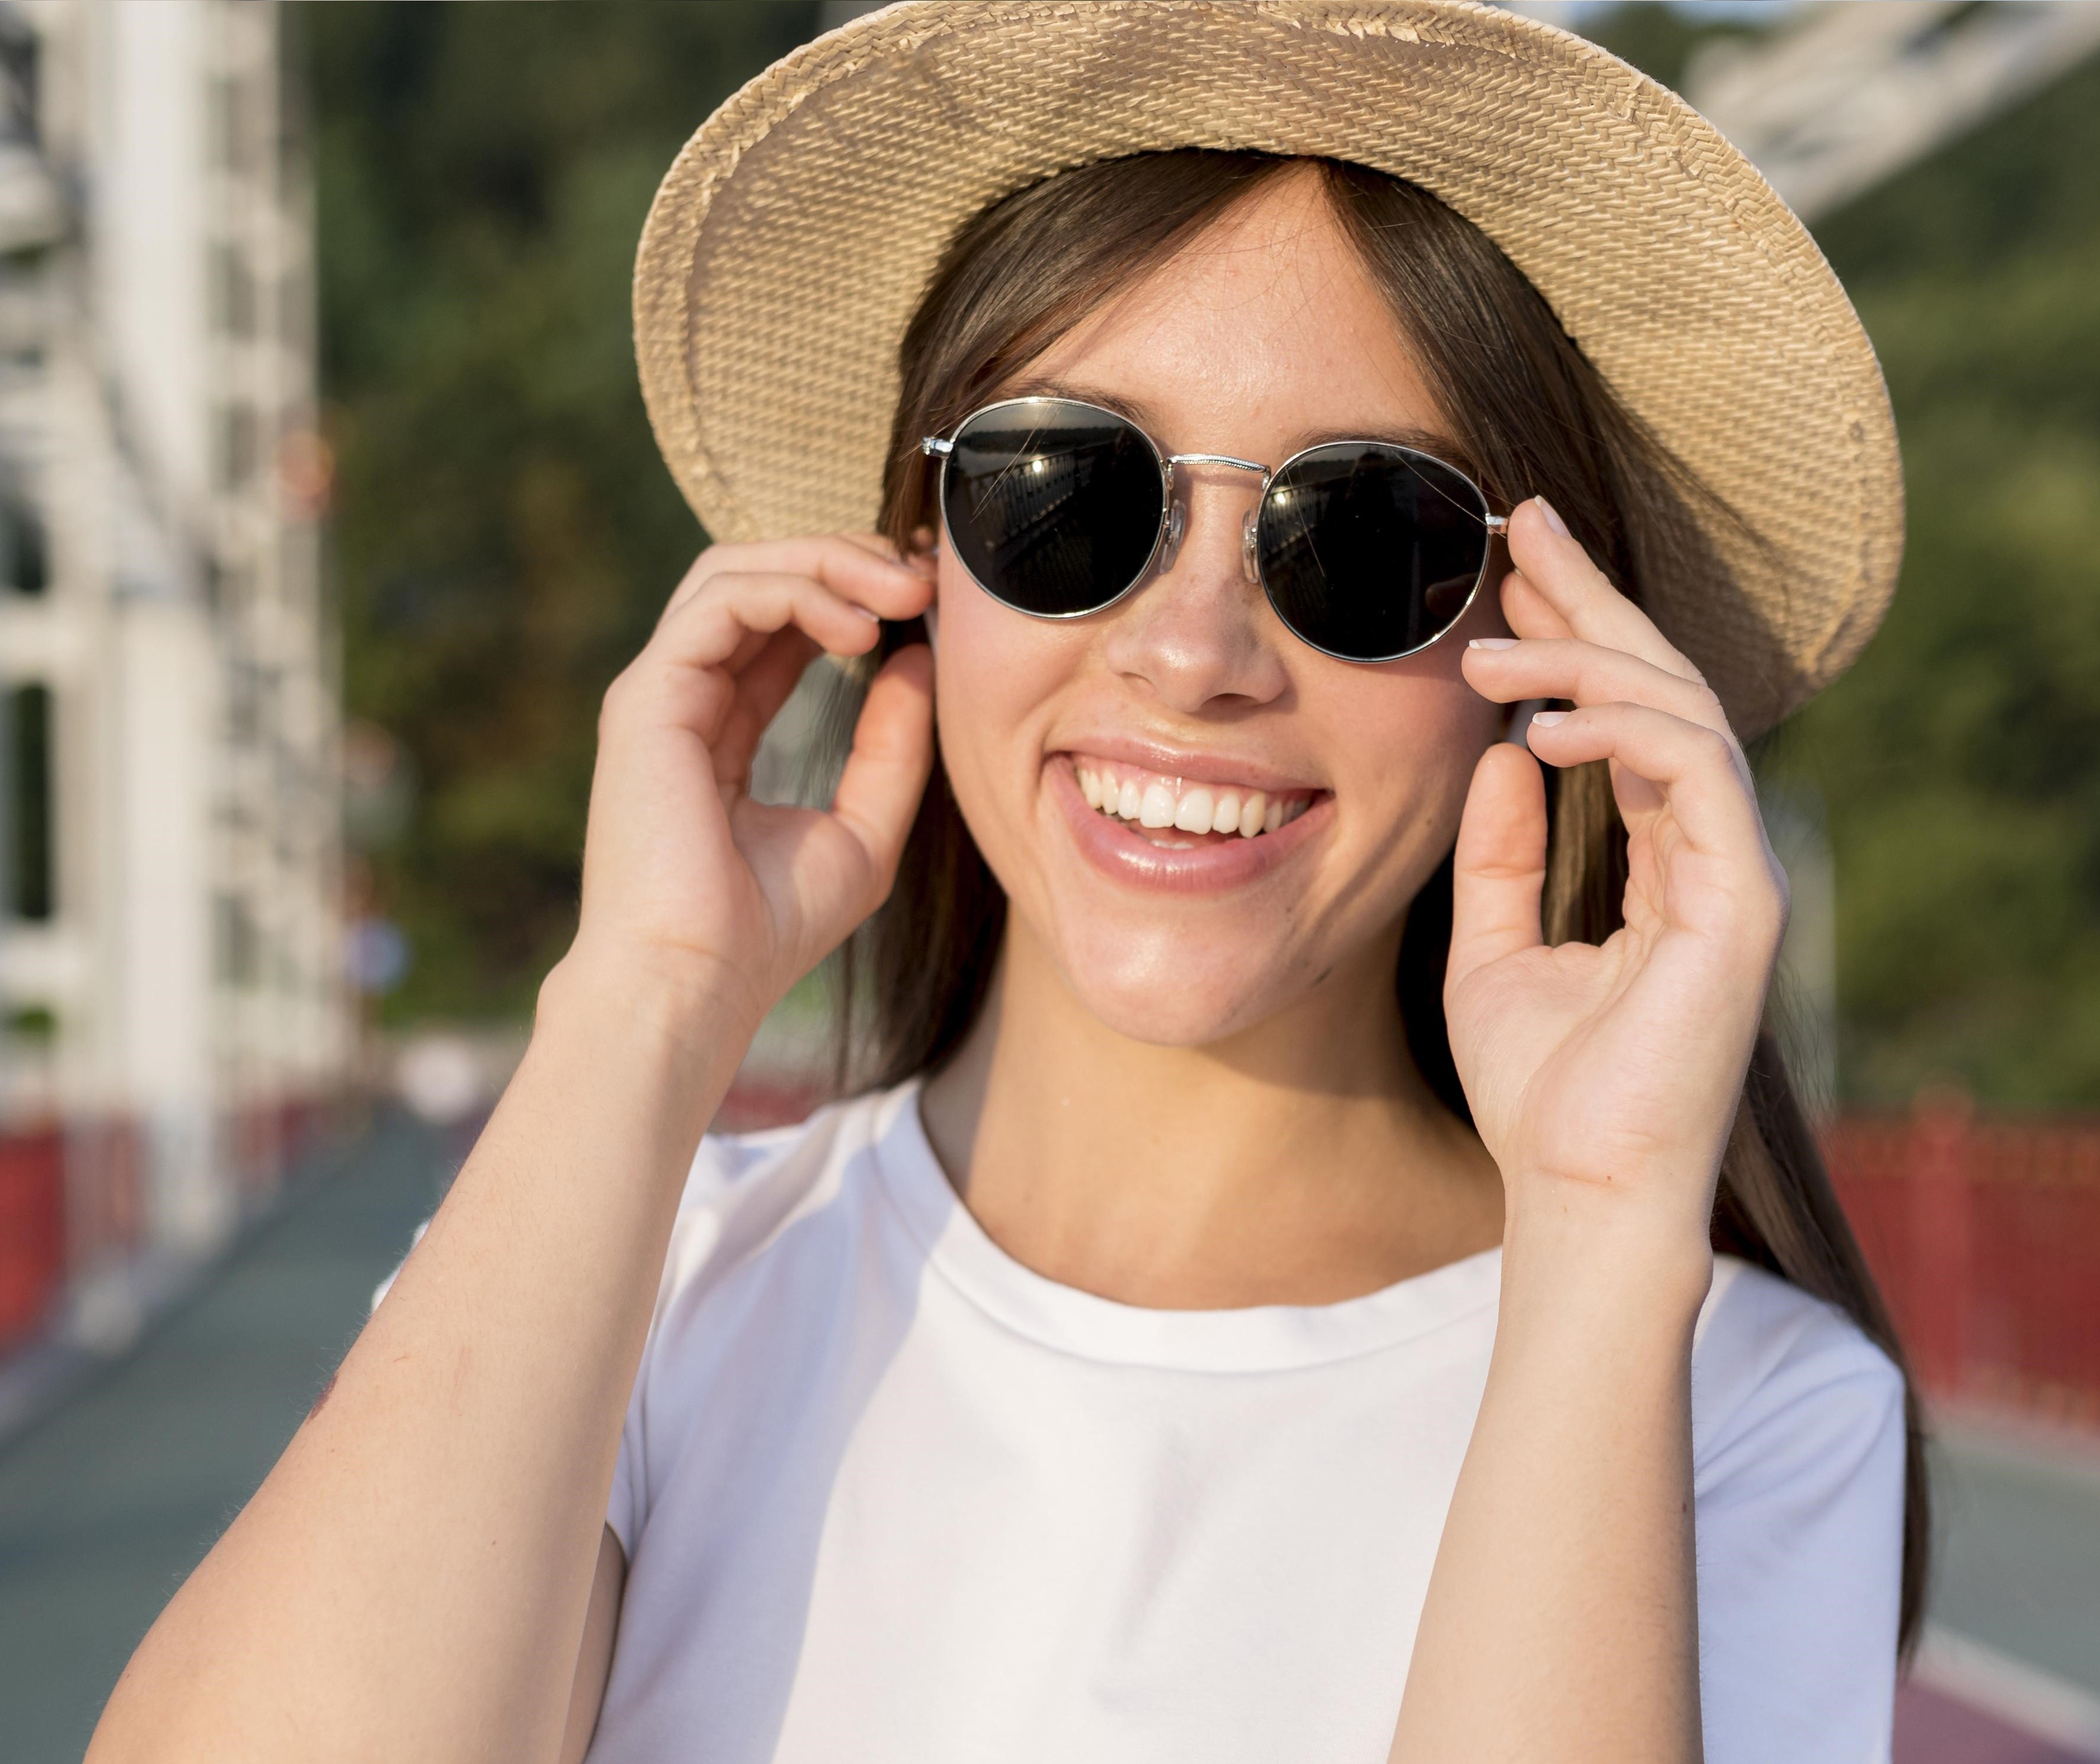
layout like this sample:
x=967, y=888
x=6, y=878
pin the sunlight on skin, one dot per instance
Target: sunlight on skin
x=1153, y=1005
x=1266, y=333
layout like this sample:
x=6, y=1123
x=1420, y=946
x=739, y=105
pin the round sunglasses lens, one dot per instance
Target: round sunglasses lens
x=1054, y=508
x=1369, y=551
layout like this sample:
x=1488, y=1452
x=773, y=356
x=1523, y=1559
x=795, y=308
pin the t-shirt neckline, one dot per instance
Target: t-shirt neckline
x=1257, y=1339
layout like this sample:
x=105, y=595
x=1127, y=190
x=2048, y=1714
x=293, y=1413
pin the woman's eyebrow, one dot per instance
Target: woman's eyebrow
x=1038, y=387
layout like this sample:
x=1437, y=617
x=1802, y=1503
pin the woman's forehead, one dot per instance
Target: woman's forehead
x=1267, y=322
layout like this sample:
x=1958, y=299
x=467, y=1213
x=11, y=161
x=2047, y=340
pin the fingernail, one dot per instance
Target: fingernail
x=1493, y=642
x=872, y=618
x=1547, y=719
x=1553, y=517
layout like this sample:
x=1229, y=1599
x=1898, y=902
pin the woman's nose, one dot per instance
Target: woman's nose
x=1199, y=630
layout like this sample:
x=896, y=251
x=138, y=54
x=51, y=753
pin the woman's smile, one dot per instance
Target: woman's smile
x=1189, y=832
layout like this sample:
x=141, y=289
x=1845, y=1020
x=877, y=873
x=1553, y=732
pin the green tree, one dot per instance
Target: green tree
x=1960, y=760
x=504, y=531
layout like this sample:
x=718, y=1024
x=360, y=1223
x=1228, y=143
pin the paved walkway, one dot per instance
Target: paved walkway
x=2010, y=1672
x=107, y=1503
x=2020, y=1544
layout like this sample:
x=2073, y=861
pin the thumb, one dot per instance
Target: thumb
x=893, y=751
x=1498, y=871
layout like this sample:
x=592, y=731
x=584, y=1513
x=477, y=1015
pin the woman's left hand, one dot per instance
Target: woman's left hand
x=1606, y=1077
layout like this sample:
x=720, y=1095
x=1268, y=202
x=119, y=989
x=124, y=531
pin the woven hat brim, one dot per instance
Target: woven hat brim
x=793, y=237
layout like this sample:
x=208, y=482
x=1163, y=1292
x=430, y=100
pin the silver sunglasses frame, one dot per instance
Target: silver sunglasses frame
x=1173, y=517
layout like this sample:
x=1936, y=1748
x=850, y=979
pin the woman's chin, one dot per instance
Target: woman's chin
x=1167, y=1023
x=1178, y=993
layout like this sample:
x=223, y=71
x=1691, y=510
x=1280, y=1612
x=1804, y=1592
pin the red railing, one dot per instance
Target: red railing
x=1985, y=1236
x=73, y=1197
x=32, y=1257
x=105, y=1192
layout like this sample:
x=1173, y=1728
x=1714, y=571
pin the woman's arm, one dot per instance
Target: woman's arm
x=594, y=1658
x=1561, y=1617
x=1561, y=1624
x=412, y=1580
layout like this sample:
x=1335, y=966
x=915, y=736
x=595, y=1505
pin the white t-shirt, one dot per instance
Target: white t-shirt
x=889, y=1496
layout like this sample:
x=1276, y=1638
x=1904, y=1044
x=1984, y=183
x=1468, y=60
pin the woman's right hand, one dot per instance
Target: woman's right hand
x=682, y=870
x=355, y=1608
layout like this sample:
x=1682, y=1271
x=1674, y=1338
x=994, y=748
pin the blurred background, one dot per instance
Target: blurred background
x=328, y=510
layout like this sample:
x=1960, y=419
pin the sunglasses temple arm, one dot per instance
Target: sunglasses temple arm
x=934, y=445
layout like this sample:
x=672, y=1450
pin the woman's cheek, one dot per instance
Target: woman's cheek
x=995, y=671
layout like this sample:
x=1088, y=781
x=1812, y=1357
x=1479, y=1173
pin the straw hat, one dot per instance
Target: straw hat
x=791, y=240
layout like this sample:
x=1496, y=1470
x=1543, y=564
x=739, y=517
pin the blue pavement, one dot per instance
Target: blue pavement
x=108, y=1502
x=2019, y=1535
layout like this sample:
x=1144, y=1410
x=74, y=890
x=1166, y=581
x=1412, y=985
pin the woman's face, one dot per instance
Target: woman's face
x=1264, y=337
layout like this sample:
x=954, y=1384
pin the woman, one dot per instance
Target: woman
x=1195, y=1344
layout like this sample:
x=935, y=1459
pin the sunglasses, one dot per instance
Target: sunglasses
x=1368, y=551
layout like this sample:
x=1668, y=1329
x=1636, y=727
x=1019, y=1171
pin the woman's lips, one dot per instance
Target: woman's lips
x=1175, y=859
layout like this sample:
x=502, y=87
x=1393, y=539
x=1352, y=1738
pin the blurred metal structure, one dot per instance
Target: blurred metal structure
x=171, y=971
x=1840, y=97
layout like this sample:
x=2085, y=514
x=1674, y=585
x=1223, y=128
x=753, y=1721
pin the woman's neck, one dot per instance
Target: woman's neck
x=1302, y=1161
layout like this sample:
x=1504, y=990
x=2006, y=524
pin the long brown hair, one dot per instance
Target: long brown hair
x=1530, y=415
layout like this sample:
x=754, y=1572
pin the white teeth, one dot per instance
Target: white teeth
x=1197, y=809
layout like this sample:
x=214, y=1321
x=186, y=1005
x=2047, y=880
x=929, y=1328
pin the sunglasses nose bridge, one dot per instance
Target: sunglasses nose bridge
x=1230, y=460
x=1178, y=466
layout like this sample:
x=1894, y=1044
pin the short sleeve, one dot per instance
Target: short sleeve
x=1798, y=1435
x=740, y=1189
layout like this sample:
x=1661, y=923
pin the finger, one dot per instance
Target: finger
x=1529, y=613
x=762, y=687
x=876, y=545
x=893, y=752
x=1507, y=669
x=1498, y=871
x=1698, y=771
x=1561, y=572
x=860, y=568
x=725, y=626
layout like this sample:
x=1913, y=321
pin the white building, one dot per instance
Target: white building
x=170, y=878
